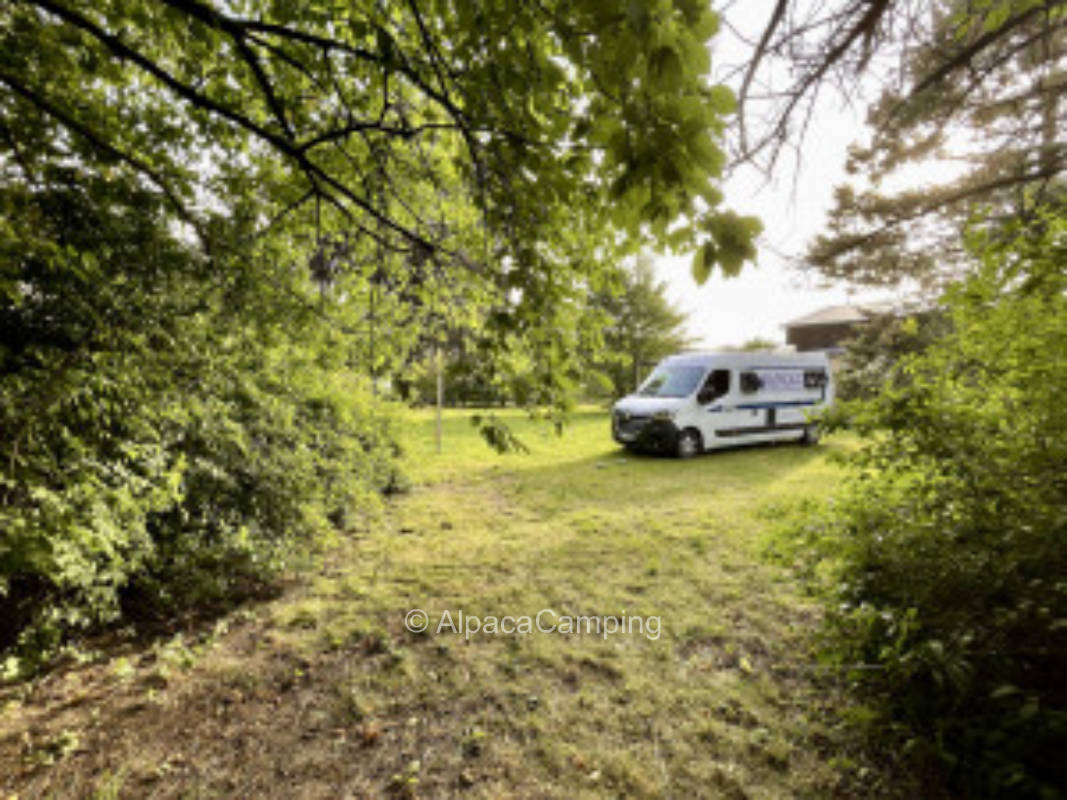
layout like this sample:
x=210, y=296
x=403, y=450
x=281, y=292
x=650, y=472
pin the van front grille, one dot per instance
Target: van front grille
x=630, y=423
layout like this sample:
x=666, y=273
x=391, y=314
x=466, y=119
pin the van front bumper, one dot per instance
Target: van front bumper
x=644, y=433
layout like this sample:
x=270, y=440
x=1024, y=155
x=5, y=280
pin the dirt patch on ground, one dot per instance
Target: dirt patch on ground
x=250, y=717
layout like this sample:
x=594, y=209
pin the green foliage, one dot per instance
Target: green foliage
x=389, y=115
x=86, y=461
x=160, y=448
x=874, y=349
x=951, y=533
x=730, y=245
x=497, y=434
x=640, y=327
x=290, y=451
x=758, y=343
x=979, y=85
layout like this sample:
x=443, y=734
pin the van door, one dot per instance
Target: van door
x=718, y=399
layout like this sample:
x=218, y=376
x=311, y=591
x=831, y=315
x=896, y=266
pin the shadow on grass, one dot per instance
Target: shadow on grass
x=151, y=612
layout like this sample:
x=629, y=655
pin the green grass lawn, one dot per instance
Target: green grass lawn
x=323, y=693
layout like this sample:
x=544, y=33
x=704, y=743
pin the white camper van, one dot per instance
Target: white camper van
x=701, y=401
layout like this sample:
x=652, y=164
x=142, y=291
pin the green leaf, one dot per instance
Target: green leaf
x=703, y=261
x=666, y=68
x=721, y=99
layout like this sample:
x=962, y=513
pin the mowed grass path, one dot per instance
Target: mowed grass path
x=323, y=693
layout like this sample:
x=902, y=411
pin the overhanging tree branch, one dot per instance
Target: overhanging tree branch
x=754, y=63
x=40, y=102
x=862, y=30
x=968, y=192
x=975, y=83
x=214, y=19
x=965, y=56
x=317, y=177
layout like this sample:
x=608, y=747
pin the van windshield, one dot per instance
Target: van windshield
x=672, y=382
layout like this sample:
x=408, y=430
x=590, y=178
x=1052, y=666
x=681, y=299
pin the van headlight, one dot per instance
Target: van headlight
x=664, y=415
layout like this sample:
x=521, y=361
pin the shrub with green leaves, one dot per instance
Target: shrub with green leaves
x=162, y=440
x=951, y=535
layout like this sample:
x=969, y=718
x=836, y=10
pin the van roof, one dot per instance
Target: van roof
x=755, y=360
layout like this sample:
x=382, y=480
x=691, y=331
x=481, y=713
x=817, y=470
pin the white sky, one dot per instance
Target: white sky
x=793, y=208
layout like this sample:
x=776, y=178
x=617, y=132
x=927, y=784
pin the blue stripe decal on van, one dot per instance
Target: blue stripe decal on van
x=756, y=406
x=783, y=404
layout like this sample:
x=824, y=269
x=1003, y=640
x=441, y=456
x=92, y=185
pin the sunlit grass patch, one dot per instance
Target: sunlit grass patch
x=719, y=697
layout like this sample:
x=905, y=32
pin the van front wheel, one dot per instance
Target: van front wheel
x=689, y=443
x=811, y=435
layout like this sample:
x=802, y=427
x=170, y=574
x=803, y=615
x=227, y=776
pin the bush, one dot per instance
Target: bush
x=160, y=446
x=950, y=537
x=278, y=452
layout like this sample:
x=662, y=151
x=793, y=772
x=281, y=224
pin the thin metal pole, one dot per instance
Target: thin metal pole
x=440, y=394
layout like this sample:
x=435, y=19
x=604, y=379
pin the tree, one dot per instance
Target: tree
x=758, y=343
x=601, y=109
x=642, y=326
x=975, y=83
x=948, y=540
x=431, y=166
x=875, y=348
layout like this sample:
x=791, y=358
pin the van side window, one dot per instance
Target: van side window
x=750, y=382
x=815, y=378
x=716, y=385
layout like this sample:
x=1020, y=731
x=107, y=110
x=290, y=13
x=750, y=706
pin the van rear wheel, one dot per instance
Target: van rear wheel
x=811, y=435
x=689, y=443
